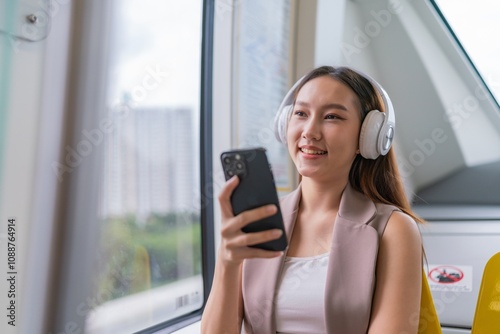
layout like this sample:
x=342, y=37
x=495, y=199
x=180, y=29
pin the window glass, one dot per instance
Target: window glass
x=149, y=265
x=476, y=23
x=262, y=72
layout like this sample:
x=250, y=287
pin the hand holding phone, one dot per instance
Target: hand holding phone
x=256, y=188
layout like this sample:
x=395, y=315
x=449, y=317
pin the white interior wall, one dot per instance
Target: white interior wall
x=39, y=259
x=21, y=135
x=25, y=61
x=329, y=26
x=355, y=46
x=52, y=105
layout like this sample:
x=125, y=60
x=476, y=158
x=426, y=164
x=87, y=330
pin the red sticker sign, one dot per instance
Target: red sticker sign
x=450, y=277
x=446, y=275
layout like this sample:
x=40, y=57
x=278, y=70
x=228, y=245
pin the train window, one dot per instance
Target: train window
x=149, y=268
x=476, y=35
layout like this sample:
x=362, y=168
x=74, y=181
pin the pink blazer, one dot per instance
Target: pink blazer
x=350, y=279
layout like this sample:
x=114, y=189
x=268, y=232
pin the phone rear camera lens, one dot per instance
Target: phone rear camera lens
x=227, y=161
x=239, y=165
x=237, y=157
x=230, y=173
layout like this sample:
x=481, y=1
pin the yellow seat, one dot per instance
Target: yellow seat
x=429, y=321
x=487, y=316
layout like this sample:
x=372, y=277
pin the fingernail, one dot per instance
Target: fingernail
x=271, y=208
x=277, y=233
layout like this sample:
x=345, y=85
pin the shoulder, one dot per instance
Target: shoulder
x=401, y=224
x=401, y=233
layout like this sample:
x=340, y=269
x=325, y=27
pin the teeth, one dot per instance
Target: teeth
x=305, y=150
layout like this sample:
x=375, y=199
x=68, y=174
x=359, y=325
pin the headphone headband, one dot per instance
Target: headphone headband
x=377, y=131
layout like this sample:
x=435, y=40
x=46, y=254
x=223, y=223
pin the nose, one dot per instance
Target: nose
x=312, y=130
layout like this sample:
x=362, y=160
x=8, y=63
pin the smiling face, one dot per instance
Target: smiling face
x=323, y=130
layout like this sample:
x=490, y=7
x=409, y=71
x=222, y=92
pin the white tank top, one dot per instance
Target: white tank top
x=300, y=299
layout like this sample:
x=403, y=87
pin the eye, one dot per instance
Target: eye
x=299, y=113
x=332, y=116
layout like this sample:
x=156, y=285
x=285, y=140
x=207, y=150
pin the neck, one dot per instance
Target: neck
x=320, y=196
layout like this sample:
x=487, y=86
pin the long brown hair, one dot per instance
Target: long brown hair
x=378, y=179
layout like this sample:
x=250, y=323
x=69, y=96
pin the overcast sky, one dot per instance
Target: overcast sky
x=163, y=36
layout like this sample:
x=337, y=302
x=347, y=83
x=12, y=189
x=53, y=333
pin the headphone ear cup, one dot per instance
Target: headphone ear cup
x=281, y=123
x=368, y=136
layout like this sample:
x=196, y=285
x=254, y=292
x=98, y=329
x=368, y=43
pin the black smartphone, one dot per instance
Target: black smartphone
x=256, y=188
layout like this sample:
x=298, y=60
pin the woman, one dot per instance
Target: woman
x=348, y=223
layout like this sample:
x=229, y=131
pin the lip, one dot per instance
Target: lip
x=310, y=147
x=313, y=148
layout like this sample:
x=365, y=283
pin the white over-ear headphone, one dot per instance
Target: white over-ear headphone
x=377, y=131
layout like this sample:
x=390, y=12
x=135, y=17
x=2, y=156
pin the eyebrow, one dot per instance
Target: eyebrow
x=327, y=106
